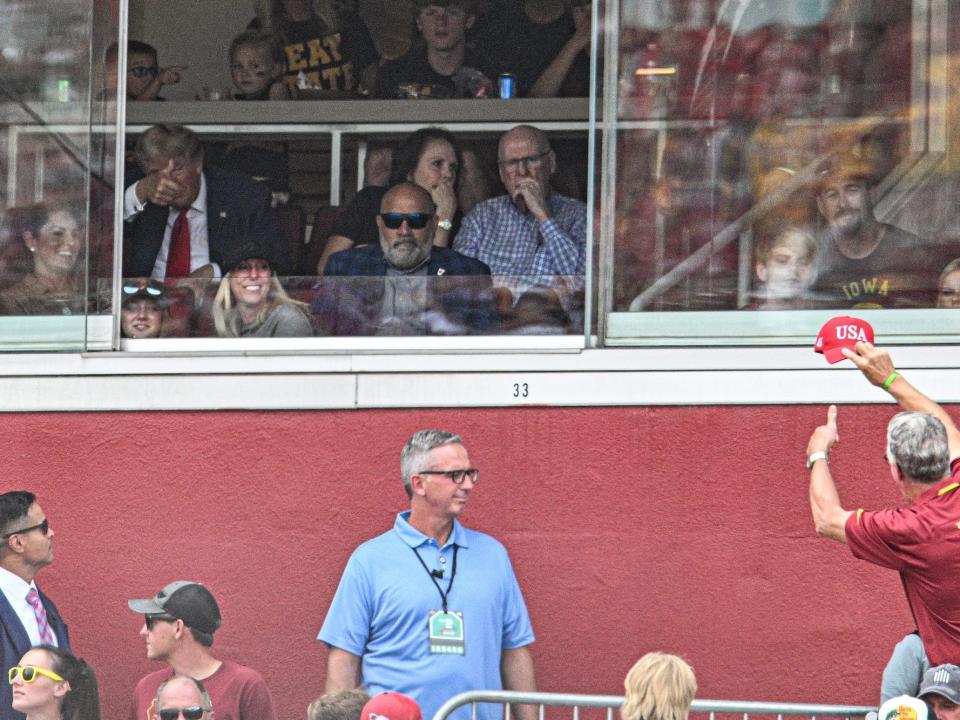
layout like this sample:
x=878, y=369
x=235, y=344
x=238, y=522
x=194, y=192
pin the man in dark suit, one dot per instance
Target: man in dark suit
x=27, y=616
x=404, y=286
x=181, y=217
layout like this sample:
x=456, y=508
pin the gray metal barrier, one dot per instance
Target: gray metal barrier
x=611, y=703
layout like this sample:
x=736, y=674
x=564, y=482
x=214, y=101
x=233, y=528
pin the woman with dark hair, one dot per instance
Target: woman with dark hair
x=52, y=284
x=429, y=157
x=52, y=684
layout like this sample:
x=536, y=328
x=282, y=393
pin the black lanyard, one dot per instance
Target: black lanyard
x=453, y=574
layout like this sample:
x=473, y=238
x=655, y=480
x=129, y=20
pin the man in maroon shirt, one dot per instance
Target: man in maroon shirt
x=921, y=540
x=179, y=623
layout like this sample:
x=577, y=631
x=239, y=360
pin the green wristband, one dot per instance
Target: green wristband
x=889, y=381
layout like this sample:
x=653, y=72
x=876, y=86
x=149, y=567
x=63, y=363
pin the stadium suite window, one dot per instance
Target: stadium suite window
x=791, y=161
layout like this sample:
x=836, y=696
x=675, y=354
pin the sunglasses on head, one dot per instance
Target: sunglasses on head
x=193, y=712
x=148, y=289
x=151, y=620
x=43, y=527
x=29, y=673
x=415, y=221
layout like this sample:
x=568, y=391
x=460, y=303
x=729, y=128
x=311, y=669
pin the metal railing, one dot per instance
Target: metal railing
x=611, y=703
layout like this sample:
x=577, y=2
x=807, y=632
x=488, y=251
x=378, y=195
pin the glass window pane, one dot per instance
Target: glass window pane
x=787, y=156
x=56, y=241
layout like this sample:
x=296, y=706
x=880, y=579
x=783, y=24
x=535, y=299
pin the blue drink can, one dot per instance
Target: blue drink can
x=508, y=86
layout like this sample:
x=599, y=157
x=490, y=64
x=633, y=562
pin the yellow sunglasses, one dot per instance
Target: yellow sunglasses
x=28, y=673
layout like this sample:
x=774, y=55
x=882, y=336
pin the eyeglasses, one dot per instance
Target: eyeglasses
x=151, y=620
x=142, y=71
x=531, y=161
x=455, y=476
x=43, y=527
x=28, y=673
x=415, y=221
x=193, y=712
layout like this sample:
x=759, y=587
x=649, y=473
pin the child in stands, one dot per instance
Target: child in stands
x=256, y=65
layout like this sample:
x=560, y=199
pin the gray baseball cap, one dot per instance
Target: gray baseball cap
x=185, y=600
x=943, y=680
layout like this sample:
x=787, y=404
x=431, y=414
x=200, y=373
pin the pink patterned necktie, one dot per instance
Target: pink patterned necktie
x=46, y=634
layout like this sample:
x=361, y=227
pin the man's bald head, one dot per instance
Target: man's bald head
x=410, y=211
x=527, y=133
x=410, y=191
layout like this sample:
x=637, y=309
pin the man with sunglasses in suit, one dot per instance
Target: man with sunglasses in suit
x=178, y=627
x=27, y=616
x=405, y=285
x=430, y=608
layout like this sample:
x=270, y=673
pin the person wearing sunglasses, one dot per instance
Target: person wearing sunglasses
x=251, y=302
x=27, y=616
x=145, y=77
x=183, y=698
x=178, y=627
x=405, y=284
x=51, y=683
x=430, y=608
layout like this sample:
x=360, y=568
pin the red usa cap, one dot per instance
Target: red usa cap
x=391, y=706
x=841, y=332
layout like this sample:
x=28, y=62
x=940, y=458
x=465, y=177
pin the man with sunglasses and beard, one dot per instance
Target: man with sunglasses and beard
x=27, y=616
x=405, y=285
x=430, y=608
x=178, y=627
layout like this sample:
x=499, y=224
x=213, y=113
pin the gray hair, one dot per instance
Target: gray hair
x=917, y=443
x=416, y=450
x=205, y=697
x=165, y=142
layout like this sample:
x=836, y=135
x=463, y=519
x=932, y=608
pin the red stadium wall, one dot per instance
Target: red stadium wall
x=631, y=529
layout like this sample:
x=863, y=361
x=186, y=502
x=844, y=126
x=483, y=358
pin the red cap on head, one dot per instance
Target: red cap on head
x=391, y=706
x=841, y=332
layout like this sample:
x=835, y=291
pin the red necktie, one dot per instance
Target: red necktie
x=178, y=258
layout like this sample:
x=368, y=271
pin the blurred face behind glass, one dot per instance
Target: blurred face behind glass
x=405, y=248
x=250, y=284
x=56, y=246
x=789, y=268
x=43, y=695
x=949, y=293
x=444, y=28
x=845, y=205
x=141, y=318
x=437, y=165
x=186, y=172
x=252, y=69
x=141, y=70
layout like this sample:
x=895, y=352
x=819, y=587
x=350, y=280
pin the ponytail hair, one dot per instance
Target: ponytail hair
x=82, y=701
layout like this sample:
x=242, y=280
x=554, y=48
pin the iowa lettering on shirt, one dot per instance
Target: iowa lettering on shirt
x=321, y=62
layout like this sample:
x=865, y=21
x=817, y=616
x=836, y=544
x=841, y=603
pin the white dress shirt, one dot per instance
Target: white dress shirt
x=196, y=217
x=15, y=589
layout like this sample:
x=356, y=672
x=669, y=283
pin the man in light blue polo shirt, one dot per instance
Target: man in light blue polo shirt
x=431, y=609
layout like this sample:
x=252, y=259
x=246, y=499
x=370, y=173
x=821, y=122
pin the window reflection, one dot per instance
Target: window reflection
x=775, y=158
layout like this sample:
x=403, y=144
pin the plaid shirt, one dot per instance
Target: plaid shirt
x=515, y=244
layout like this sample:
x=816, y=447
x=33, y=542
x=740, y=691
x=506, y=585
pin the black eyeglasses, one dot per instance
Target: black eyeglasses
x=43, y=527
x=192, y=712
x=415, y=221
x=151, y=620
x=142, y=72
x=455, y=476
